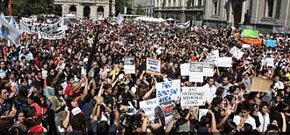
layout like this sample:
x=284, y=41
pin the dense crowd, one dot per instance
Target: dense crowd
x=52, y=86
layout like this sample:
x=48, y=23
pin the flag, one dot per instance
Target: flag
x=8, y=31
x=271, y=43
x=120, y=19
x=13, y=23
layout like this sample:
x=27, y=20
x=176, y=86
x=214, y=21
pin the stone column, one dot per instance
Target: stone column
x=80, y=11
x=93, y=13
x=65, y=9
x=183, y=17
x=106, y=11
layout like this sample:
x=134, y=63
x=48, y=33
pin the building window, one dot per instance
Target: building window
x=270, y=8
x=215, y=7
x=199, y=2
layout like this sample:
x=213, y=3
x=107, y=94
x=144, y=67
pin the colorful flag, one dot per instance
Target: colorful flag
x=8, y=31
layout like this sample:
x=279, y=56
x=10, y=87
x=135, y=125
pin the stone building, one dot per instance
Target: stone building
x=183, y=10
x=146, y=5
x=257, y=14
x=87, y=8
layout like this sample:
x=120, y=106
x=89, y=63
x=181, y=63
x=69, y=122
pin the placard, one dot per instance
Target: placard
x=193, y=96
x=261, y=84
x=167, y=91
x=250, y=33
x=271, y=43
x=202, y=112
x=225, y=62
x=148, y=106
x=196, y=72
x=129, y=65
x=236, y=52
x=153, y=66
x=208, y=69
x=270, y=62
x=184, y=69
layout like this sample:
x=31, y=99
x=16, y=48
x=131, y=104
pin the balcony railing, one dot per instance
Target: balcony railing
x=81, y=1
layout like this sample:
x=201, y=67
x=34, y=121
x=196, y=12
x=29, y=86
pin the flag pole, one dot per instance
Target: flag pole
x=10, y=7
x=93, y=50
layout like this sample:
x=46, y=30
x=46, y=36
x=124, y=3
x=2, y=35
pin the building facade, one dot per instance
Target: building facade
x=87, y=8
x=184, y=10
x=258, y=14
x=146, y=5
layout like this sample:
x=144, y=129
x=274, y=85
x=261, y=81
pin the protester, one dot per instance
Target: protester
x=64, y=86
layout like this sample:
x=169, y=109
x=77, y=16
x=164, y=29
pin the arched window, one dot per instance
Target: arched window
x=215, y=7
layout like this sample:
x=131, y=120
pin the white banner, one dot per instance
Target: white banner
x=225, y=62
x=213, y=56
x=196, y=72
x=236, y=52
x=270, y=62
x=53, y=36
x=148, y=106
x=208, y=69
x=129, y=65
x=184, y=69
x=153, y=66
x=193, y=96
x=39, y=28
x=167, y=91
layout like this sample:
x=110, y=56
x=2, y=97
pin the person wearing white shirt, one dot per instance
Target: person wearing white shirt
x=244, y=117
x=264, y=117
x=278, y=84
x=211, y=89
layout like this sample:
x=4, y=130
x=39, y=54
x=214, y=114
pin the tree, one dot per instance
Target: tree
x=30, y=7
x=120, y=4
x=140, y=11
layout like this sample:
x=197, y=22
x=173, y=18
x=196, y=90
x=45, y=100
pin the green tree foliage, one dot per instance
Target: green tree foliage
x=31, y=7
x=120, y=4
x=140, y=11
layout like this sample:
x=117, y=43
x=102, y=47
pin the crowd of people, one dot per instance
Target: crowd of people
x=67, y=87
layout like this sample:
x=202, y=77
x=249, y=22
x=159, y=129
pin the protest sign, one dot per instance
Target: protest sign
x=153, y=66
x=213, y=56
x=236, y=52
x=257, y=42
x=167, y=91
x=208, y=69
x=225, y=62
x=193, y=96
x=250, y=33
x=169, y=109
x=51, y=36
x=246, y=46
x=271, y=43
x=202, y=112
x=196, y=72
x=261, y=84
x=148, y=106
x=129, y=65
x=270, y=62
x=184, y=69
x=47, y=28
x=264, y=61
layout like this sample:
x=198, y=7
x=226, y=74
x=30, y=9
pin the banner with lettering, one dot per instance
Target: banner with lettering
x=148, y=106
x=196, y=72
x=193, y=96
x=51, y=36
x=225, y=62
x=129, y=65
x=208, y=69
x=153, y=66
x=184, y=69
x=167, y=91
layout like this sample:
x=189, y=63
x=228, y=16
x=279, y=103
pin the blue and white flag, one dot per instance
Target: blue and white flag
x=120, y=19
x=8, y=31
